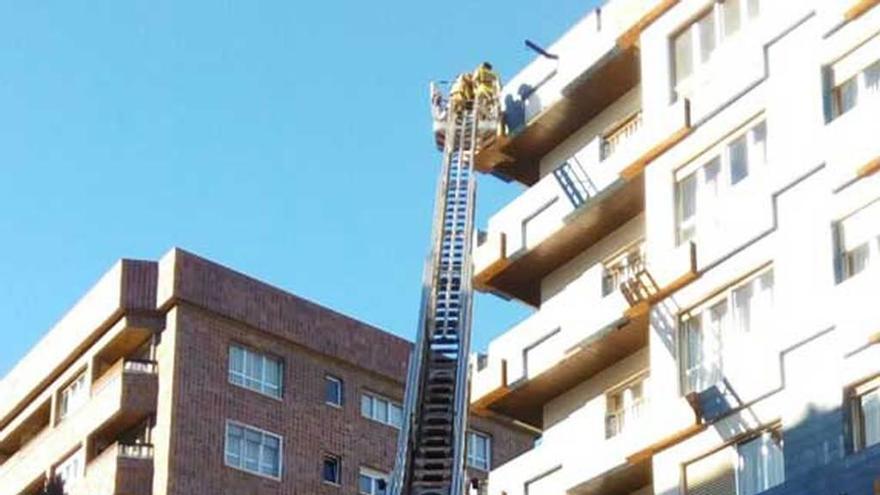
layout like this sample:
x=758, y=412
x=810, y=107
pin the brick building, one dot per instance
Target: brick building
x=184, y=377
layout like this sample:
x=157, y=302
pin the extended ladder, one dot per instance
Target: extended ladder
x=431, y=450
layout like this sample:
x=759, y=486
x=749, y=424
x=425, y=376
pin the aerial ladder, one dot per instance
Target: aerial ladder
x=431, y=447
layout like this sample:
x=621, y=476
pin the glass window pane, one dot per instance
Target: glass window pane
x=872, y=78
x=365, y=484
x=749, y=473
x=742, y=303
x=331, y=470
x=739, y=160
x=272, y=371
x=693, y=351
x=366, y=406
x=846, y=96
x=253, y=369
x=711, y=171
x=233, y=445
x=709, y=192
x=251, y=451
x=688, y=197
x=731, y=13
x=381, y=410
x=683, y=48
x=236, y=359
x=772, y=451
x=706, y=26
x=333, y=391
x=759, y=144
x=269, y=464
x=396, y=415
x=712, y=343
x=687, y=207
x=871, y=417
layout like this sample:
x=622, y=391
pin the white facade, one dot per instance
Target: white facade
x=702, y=248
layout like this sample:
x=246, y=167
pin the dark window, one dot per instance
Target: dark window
x=330, y=472
x=333, y=390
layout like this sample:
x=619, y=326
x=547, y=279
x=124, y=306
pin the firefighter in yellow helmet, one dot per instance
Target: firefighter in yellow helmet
x=486, y=84
x=462, y=92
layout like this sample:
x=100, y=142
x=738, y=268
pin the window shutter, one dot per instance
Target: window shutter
x=712, y=475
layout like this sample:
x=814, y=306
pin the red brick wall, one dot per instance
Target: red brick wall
x=310, y=428
x=242, y=298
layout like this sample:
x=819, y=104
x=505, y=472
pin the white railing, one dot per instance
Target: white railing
x=140, y=366
x=627, y=266
x=623, y=133
x=617, y=421
x=135, y=451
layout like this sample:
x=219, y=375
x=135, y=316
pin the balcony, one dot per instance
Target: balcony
x=598, y=320
x=594, y=192
x=624, y=466
x=598, y=62
x=539, y=469
x=853, y=150
x=563, y=462
x=26, y=426
x=121, y=397
x=578, y=333
x=118, y=470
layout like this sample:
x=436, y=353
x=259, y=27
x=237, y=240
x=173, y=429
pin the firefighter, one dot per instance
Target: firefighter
x=486, y=83
x=462, y=92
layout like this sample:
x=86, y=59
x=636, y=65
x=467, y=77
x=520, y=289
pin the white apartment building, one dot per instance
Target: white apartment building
x=699, y=235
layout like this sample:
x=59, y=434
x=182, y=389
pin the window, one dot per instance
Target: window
x=382, y=410
x=858, y=241
x=73, y=396
x=332, y=390
x=865, y=414
x=71, y=469
x=687, y=208
x=372, y=482
x=331, y=471
x=745, y=309
x=479, y=450
x=683, y=48
x=253, y=450
x=694, y=46
x=760, y=463
x=699, y=191
x=753, y=303
x=748, y=467
x=623, y=406
x=862, y=86
x=255, y=371
x=739, y=159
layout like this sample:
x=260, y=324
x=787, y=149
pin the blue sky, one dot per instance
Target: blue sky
x=289, y=140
